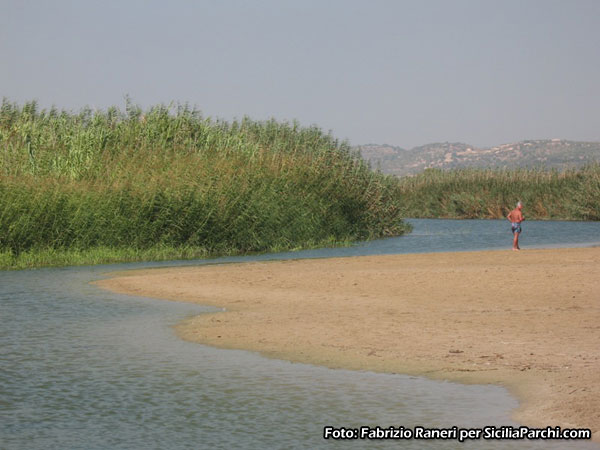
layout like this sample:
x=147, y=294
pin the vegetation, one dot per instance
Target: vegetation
x=479, y=193
x=167, y=183
x=101, y=186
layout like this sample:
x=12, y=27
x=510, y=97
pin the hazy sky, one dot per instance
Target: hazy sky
x=399, y=72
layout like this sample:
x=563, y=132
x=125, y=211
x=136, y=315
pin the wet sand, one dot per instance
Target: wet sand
x=526, y=320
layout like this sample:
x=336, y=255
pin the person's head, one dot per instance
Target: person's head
x=519, y=206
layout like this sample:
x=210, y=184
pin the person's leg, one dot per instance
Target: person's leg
x=516, y=241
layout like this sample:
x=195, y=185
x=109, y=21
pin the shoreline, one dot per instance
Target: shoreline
x=529, y=320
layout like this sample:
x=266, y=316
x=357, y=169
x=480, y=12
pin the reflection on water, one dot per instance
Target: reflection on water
x=84, y=368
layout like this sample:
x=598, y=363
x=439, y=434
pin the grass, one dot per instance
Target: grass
x=51, y=257
x=167, y=183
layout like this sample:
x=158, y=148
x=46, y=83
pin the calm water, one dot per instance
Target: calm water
x=84, y=368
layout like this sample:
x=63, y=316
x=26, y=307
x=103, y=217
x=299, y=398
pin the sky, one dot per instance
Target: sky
x=404, y=73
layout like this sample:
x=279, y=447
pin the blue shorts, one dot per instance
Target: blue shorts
x=516, y=227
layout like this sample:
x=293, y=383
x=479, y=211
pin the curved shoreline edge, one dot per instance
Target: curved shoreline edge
x=529, y=320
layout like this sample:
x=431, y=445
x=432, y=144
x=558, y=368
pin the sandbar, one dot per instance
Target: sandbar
x=529, y=320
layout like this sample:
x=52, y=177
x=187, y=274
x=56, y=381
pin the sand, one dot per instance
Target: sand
x=526, y=320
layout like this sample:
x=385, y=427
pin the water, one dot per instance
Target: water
x=85, y=368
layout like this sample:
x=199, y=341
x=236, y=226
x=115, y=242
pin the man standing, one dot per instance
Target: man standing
x=515, y=217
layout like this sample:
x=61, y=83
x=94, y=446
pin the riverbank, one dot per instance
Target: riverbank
x=107, y=255
x=528, y=321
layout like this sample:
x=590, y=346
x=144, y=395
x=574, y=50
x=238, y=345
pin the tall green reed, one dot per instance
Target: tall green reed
x=477, y=193
x=169, y=177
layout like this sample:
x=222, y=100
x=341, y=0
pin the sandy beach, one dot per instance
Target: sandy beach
x=526, y=320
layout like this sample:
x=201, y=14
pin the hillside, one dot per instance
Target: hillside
x=550, y=153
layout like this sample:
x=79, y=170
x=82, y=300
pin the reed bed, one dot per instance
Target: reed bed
x=490, y=194
x=166, y=182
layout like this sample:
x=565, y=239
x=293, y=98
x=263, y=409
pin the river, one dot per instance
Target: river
x=85, y=368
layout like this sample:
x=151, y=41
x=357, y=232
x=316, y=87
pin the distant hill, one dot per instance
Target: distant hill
x=549, y=153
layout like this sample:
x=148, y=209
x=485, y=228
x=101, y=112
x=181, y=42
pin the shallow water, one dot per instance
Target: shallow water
x=86, y=368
